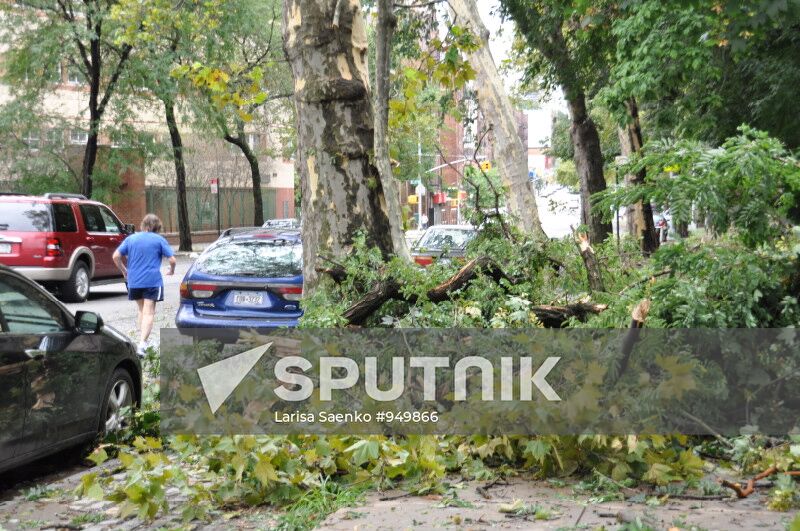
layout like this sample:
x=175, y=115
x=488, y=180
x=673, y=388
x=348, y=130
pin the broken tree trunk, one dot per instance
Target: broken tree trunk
x=590, y=262
x=638, y=317
x=550, y=316
x=511, y=156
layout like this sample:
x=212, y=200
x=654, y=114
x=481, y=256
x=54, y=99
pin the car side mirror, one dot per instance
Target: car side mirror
x=130, y=228
x=88, y=322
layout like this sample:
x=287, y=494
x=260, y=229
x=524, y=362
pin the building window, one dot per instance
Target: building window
x=285, y=209
x=31, y=139
x=78, y=137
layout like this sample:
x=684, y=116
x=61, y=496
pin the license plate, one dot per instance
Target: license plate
x=5, y=248
x=248, y=299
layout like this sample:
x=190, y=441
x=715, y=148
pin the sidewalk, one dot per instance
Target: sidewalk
x=197, y=248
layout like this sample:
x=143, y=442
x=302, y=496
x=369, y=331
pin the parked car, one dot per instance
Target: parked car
x=63, y=241
x=283, y=223
x=250, y=279
x=442, y=242
x=64, y=379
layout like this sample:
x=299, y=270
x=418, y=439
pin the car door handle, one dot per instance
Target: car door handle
x=35, y=354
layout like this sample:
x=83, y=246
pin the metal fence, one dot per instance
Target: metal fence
x=235, y=206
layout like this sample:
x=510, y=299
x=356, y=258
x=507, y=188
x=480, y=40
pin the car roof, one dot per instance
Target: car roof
x=13, y=197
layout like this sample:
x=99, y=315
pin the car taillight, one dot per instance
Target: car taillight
x=198, y=291
x=290, y=293
x=53, y=247
x=423, y=260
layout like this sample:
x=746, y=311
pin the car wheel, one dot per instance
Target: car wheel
x=119, y=396
x=76, y=289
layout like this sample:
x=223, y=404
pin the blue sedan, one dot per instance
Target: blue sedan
x=251, y=279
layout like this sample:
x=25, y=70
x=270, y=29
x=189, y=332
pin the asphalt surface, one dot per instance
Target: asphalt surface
x=111, y=302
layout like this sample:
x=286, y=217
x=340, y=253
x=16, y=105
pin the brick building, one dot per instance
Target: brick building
x=148, y=186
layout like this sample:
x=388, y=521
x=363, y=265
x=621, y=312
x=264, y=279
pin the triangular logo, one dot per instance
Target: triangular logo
x=220, y=379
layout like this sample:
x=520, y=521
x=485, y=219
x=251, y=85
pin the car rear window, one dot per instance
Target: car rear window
x=64, y=218
x=25, y=217
x=446, y=238
x=251, y=257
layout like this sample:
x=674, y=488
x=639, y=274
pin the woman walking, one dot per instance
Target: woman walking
x=141, y=268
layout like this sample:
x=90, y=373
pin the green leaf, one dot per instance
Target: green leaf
x=98, y=457
x=264, y=471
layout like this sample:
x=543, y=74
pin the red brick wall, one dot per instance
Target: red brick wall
x=284, y=196
x=129, y=204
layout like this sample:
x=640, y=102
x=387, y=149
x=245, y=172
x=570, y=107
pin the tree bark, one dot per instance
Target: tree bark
x=184, y=230
x=640, y=214
x=90, y=151
x=384, y=31
x=511, y=155
x=341, y=191
x=240, y=141
x=588, y=164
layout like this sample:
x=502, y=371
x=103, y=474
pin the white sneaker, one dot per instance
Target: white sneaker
x=141, y=350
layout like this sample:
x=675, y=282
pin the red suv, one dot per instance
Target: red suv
x=63, y=241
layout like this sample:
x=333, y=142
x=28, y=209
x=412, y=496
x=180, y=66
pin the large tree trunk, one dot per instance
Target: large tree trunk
x=384, y=31
x=184, y=230
x=588, y=164
x=89, y=156
x=240, y=141
x=341, y=192
x=511, y=155
x=640, y=214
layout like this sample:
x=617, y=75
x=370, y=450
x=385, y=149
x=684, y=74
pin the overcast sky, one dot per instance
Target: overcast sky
x=539, y=120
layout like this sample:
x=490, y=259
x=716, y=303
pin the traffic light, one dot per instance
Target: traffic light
x=486, y=165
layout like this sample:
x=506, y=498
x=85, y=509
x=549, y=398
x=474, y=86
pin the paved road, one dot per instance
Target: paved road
x=111, y=302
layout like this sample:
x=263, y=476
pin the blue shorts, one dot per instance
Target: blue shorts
x=152, y=294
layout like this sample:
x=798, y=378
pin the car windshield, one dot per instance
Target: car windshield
x=25, y=217
x=265, y=258
x=449, y=238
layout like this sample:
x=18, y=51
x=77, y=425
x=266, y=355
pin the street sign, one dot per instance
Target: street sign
x=214, y=186
x=420, y=190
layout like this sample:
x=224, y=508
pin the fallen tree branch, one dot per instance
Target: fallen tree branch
x=750, y=486
x=556, y=316
x=483, y=490
x=386, y=290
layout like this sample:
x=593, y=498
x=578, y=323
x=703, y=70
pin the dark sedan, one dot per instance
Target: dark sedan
x=64, y=379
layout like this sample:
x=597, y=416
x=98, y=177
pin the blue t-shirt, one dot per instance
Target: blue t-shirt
x=145, y=251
